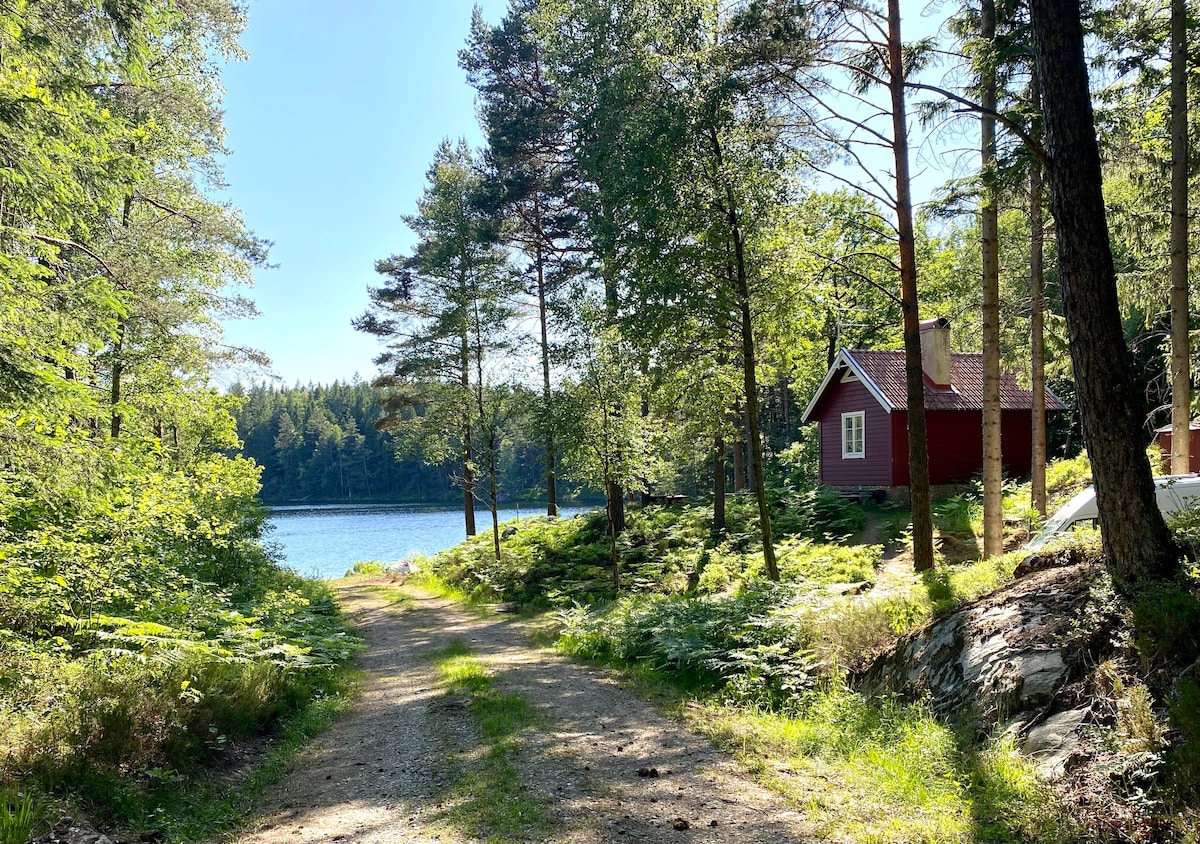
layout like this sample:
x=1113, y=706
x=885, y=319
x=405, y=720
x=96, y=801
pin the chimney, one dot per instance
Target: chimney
x=935, y=351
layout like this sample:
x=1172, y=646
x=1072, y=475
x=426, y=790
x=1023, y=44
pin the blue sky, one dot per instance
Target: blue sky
x=332, y=123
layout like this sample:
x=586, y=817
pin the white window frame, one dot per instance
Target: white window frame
x=854, y=446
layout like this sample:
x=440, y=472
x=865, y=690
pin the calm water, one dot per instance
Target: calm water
x=325, y=541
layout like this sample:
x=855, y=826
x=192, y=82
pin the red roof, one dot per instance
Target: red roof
x=883, y=374
x=886, y=370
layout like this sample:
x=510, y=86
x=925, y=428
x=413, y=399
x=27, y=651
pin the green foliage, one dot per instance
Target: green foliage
x=1064, y=478
x=19, y=814
x=366, y=568
x=1183, y=760
x=546, y=562
x=752, y=644
x=1165, y=620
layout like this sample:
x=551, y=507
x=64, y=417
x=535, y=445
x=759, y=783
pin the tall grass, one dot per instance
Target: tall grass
x=884, y=771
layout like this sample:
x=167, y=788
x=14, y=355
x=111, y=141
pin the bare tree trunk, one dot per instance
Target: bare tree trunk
x=118, y=372
x=719, y=485
x=739, y=452
x=543, y=322
x=468, y=473
x=993, y=469
x=751, y=473
x=495, y=491
x=118, y=365
x=1181, y=376
x=1037, y=288
x=918, y=452
x=1137, y=545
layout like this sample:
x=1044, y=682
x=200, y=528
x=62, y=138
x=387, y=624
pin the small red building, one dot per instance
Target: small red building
x=861, y=408
x=1164, y=443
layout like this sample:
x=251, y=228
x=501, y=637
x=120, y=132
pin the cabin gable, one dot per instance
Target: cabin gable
x=868, y=465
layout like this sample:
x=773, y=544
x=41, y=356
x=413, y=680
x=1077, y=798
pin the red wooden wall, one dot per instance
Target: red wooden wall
x=875, y=468
x=955, y=439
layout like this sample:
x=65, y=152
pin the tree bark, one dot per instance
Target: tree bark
x=719, y=485
x=1037, y=342
x=739, y=452
x=751, y=473
x=543, y=323
x=918, y=452
x=1137, y=545
x=993, y=470
x=468, y=474
x=1181, y=376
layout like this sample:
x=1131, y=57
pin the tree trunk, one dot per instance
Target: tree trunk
x=1181, y=376
x=615, y=495
x=118, y=367
x=751, y=473
x=1137, y=544
x=495, y=491
x=1037, y=289
x=468, y=474
x=118, y=372
x=614, y=509
x=993, y=470
x=547, y=421
x=918, y=452
x=719, y=485
x=739, y=452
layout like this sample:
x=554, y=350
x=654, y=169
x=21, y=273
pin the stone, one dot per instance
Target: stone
x=1055, y=742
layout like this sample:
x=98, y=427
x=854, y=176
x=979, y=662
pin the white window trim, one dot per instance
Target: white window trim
x=848, y=450
x=850, y=376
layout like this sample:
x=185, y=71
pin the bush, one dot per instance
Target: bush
x=546, y=562
x=753, y=644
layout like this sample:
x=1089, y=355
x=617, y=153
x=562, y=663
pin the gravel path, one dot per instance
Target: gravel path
x=380, y=774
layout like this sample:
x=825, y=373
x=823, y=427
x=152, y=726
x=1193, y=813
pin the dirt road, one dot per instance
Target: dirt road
x=391, y=770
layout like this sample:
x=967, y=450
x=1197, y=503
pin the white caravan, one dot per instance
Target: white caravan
x=1174, y=493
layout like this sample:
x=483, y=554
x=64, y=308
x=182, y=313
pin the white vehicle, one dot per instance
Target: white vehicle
x=1174, y=493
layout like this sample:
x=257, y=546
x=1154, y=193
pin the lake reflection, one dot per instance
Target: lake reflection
x=326, y=540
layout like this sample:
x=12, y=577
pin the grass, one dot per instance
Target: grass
x=394, y=595
x=20, y=813
x=884, y=771
x=488, y=800
x=175, y=809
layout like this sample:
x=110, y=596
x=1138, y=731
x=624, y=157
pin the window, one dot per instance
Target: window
x=853, y=445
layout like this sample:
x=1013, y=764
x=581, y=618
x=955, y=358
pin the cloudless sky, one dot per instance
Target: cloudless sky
x=332, y=123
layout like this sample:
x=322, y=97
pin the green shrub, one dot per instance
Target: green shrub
x=753, y=643
x=1183, y=760
x=805, y=560
x=367, y=568
x=546, y=562
x=1165, y=618
x=1064, y=478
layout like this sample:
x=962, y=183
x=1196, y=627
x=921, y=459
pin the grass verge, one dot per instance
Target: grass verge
x=488, y=800
x=884, y=771
x=178, y=810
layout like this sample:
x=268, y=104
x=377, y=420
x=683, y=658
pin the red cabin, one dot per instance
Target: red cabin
x=1164, y=444
x=861, y=408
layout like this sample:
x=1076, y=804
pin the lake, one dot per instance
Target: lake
x=326, y=540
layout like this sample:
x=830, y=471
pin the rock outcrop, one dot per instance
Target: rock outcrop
x=1003, y=655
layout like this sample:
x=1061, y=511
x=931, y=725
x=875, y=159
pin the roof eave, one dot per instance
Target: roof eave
x=845, y=357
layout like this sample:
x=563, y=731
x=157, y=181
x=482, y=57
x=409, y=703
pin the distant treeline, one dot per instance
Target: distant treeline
x=320, y=444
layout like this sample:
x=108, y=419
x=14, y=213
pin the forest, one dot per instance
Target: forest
x=143, y=627
x=682, y=213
